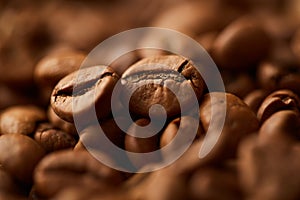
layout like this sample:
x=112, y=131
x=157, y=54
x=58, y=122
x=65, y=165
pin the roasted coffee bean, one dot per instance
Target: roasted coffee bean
x=153, y=77
x=55, y=66
x=52, y=139
x=86, y=88
x=255, y=98
x=21, y=119
x=64, y=169
x=277, y=101
x=240, y=121
x=273, y=76
x=19, y=156
x=282, y=127
x=186, y=123
x=60, y=123
x=241, y=45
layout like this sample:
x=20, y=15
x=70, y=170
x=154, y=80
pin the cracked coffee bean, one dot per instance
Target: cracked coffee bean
x=152, y=79
x=277, y=101
x=52, y=139
x=86, y=88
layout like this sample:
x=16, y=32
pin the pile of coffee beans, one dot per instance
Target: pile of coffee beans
x=46, y=90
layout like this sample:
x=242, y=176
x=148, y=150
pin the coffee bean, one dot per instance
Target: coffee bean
x=241, y=45
x=154, y=77
x=277, y=101
x=21, y=119
x=64, y=169
x=240, y=121
x=52, y=139
x=85, y=88
x=21, y=161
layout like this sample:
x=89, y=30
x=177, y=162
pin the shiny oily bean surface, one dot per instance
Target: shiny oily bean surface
x=241, y=44
x=240, y=121
x=21, y=161
x=64, y=169
x=277, y=101
x=152, y=79
x=53, y=139
x=21, y=119
x=85, y=88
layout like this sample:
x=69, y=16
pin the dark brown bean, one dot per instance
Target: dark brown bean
x=241, y=45
x=19, y=155
x=52, y=139
x=153, y=79
x=240, y=121
x=21, y=119
x=64, y=169
x=277, y=101
x=86, y=88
